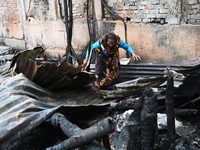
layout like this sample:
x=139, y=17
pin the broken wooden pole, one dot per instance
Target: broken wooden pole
x=86, y=136
x=169, y=101
x=149, y=119
x=70, y=129
x=185, y=112
x=190, y=102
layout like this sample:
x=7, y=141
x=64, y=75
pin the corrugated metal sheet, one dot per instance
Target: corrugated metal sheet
x=133, y=88
x=133, y=71
x=146, y=70
x=59, y=76
x=53, y=76
x=24, y=105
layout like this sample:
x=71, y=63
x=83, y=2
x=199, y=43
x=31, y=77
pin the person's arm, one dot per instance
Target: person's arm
x=129, y=49
x=94, y=46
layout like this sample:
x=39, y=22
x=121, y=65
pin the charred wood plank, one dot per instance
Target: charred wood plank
x=148, y=119
x=132, y=88
x=71, y=129
x=81, y=137
x=124, y=104
x=141, y=127
x=185, y=112
x=169, y=100
x=179, y=112
x=189, y=103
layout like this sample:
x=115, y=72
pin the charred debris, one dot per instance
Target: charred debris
x=52, y=105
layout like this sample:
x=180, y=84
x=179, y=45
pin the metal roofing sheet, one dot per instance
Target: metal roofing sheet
x=146, y=70
x=24, y=105
x=54, y=76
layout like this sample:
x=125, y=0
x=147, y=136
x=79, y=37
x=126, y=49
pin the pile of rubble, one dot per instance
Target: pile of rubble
x=47, y=104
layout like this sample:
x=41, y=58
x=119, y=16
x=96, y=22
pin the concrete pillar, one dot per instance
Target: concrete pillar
x=98, y=9
x=22, y=10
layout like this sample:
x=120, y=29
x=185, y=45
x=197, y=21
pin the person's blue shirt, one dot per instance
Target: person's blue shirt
x=122, y=44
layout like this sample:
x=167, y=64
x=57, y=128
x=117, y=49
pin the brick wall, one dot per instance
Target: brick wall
x=79, y=8
x=192, y=9
x=156, y=11
x=26, y=24
x=10, y=9
x=42, y=9
x=137, y=11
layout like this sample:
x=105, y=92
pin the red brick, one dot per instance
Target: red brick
x=119, y=8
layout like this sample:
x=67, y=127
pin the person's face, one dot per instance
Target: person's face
x=111, y=42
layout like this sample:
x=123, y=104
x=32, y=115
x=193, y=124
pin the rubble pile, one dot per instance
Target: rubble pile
x=47, y=104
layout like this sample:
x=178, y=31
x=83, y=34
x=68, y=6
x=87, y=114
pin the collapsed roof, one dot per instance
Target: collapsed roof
x=43, y=86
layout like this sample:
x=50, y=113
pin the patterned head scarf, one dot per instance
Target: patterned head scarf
x=104, y=45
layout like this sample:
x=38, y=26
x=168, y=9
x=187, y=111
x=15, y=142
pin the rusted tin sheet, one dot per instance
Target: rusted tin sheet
x=54, y=76
x=59, y=76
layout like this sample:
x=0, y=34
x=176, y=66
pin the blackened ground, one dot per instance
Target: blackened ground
x=46, y=136
x=39, y=139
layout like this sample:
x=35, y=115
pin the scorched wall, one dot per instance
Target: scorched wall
x=158, y=30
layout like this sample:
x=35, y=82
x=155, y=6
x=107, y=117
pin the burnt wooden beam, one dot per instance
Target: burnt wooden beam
x=169, y=101
x=123, y=105
x=148, y=118
x=140, y=130
x=179, y=112
x=190, y=102
x=80, y=137
x=70, y=129
x=185, y=112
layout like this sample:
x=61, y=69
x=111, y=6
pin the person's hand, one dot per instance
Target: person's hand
x=84, y=63
x=135, y=56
